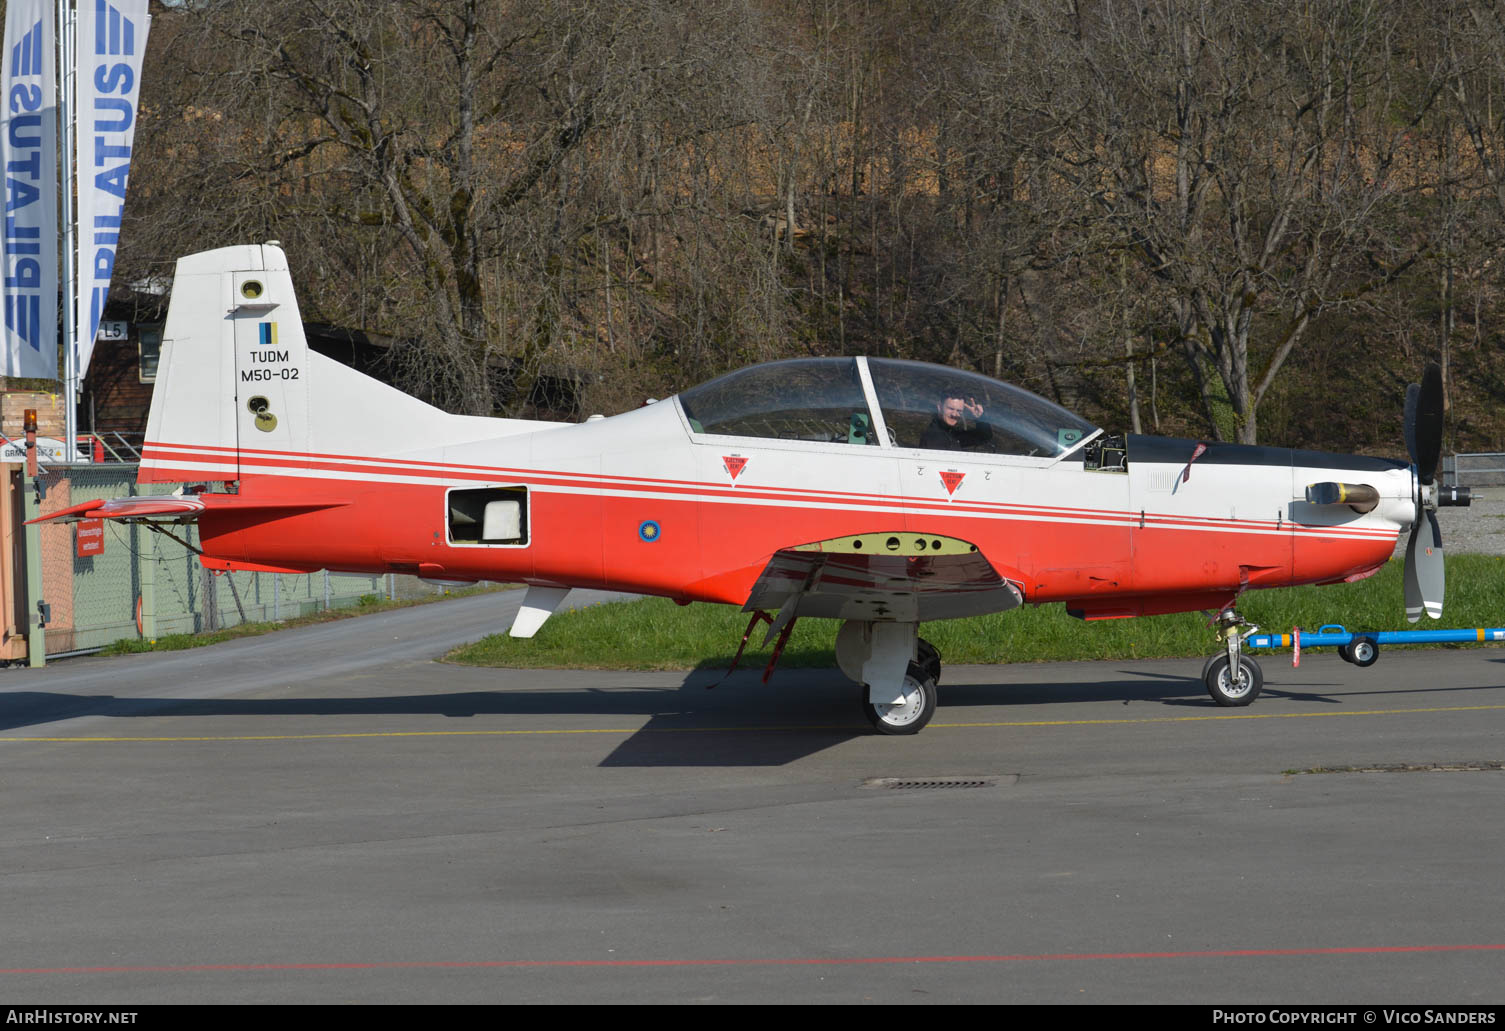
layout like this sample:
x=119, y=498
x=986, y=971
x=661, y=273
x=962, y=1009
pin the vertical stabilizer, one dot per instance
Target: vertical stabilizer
x=239, y=394
x=233, y=377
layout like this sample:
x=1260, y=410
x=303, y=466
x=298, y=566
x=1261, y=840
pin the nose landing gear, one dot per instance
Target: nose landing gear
x=1232, y=678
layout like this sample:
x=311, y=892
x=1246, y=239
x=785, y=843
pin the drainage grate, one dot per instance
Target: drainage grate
x=1439, y=767
x=923, y=783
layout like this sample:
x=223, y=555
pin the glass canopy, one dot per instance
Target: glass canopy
x=929, y=407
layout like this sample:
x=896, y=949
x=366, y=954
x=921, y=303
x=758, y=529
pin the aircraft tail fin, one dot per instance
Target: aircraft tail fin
x=239, y=393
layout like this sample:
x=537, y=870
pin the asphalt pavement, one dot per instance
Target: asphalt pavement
x=326, y=814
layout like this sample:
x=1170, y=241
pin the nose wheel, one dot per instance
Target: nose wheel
x=1230, y=686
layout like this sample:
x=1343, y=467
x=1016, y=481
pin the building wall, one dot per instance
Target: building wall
x=50, y=416
x=114, y=396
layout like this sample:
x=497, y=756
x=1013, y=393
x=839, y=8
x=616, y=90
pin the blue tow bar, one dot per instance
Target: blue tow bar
x=1334, y=635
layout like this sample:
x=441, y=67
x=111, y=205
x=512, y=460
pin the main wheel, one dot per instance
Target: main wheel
x=1364, y=651
x=908, y=715
x=930, y=660
x=1233, y=690
x=1344, y=653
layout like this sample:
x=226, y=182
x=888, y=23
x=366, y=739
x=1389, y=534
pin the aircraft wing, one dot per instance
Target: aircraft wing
x=180, y=508
x=904, y=577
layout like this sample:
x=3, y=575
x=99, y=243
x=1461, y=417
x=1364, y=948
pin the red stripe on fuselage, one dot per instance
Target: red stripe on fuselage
x=449, y=473
x=713, y=550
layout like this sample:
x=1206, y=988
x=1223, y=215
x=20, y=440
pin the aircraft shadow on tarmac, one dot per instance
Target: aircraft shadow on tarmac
x=740, y=723
x=1287, y=690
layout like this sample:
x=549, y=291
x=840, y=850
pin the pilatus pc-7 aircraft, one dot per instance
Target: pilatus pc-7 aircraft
x=878, y=492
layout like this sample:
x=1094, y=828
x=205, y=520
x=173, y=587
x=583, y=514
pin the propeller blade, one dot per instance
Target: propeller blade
x=1429, y=571
x=1428, y=424
x=1413, y=585
x=1425, y=579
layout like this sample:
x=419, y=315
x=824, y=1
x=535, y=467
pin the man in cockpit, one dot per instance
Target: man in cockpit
x=948, y=429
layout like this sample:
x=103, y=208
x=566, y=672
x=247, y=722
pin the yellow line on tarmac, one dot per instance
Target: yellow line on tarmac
x=727, y=730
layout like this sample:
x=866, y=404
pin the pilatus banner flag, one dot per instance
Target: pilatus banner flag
x=111, y=42
x=28, y=151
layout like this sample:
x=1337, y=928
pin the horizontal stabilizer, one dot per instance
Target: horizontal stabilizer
x=182, y=508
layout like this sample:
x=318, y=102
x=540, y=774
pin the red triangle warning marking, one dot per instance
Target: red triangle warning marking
x=734, y=465
x=952, y=479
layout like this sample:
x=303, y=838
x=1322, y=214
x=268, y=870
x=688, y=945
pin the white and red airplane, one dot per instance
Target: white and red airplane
x=879, y=492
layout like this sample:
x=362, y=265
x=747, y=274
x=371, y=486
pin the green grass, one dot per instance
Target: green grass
x=657, y=634
x=367, y=603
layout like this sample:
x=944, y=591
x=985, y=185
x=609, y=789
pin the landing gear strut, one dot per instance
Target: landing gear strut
x=1232, y=678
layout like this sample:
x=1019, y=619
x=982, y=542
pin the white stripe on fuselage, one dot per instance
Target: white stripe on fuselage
x=591, y=485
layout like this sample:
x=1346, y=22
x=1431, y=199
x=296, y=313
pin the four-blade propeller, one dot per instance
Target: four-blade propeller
x=1424, y=572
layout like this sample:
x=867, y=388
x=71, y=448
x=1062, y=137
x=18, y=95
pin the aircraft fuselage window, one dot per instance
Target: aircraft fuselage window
x=488, y=515
x=819, y=400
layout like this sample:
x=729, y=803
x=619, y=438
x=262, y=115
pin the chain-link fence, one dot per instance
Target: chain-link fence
x=1474, y=470
x=124, y=580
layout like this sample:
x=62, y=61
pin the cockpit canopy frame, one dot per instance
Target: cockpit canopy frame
x=884, y=403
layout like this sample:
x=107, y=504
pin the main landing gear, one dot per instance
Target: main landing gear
x=929, y=659
x=896, y=669
x=910, y=711
x=1231, y=677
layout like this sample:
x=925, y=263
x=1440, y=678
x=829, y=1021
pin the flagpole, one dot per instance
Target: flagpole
x=66, y=64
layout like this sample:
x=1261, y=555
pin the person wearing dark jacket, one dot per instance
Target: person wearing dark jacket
x=947, y=430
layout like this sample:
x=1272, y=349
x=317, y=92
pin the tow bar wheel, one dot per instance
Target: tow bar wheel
x=1364, y=651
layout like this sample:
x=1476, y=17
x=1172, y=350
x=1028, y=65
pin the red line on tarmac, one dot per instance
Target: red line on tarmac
x=1358, y=950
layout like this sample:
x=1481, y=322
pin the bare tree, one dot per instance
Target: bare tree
x=1245, y=154
x=444, y=156
x=1471, y=36
x=643, y=193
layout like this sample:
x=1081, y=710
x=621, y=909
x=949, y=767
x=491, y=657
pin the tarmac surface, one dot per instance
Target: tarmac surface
x=326, y=815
